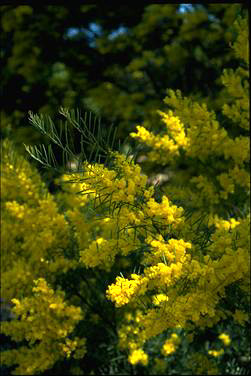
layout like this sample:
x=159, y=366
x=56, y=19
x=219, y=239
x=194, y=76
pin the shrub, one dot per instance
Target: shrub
x=173, y=261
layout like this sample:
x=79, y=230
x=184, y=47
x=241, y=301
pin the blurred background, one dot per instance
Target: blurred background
x=117, y=63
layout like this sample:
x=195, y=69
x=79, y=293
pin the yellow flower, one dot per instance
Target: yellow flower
x=159, y=298
x=138, y=356
x=16, y=301
x=171, y=345
x=216, y=353
x=225, y=339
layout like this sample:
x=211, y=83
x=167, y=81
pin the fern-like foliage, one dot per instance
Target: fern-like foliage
x=95, y=141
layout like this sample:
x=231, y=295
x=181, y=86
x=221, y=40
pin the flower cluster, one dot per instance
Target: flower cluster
x=127, y=211
x=46, y=321
x=216, y=174
x=171, y=344
x=39, y=233
x=138, y=356
x=164, y=148
x=183, y=281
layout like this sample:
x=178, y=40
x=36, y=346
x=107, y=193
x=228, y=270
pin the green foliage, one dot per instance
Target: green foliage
x=93, y=139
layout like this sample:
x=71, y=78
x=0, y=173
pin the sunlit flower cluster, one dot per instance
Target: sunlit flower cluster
x=166, y=147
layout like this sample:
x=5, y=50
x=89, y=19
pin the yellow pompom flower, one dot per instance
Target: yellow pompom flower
x=138, y=356
x=216, y=353
x=171, y=345
x=225, y=339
